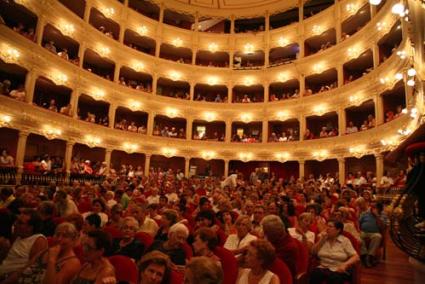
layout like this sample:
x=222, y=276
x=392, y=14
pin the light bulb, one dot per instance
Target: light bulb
x=398, y=76
x=375, y=2
x=411, y=82
x=398, y=9
x=411, y=72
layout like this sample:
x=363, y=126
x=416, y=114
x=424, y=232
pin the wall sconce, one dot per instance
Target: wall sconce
x=320, y=109
x=142, y=30
x=398, y=76
x=175, y=76
x=137, y=66
x=390, y=142
x=59, y=78
x=130, y=147
x=358, y=151
x=375, y=2
x=321, y=155
x=381, y=26
x=102, y=50
x=92, y=141
x=248, y=81
x=168, y=152
x=283, y=41
x=353, y=52
x=108, y=12
x=213, y=47
x=282, y=156
x=356, y=99
x=405, y=132
x=9, y=54
x=248, y=48
x=402, y=54
x=210, y=116
x=134, y=105
x=414, y=113
x=66, y=28
x=212, y=80
x=171, y=112
x=282, y=77
x=246, y=117
x=51, y=132
x=384, y=80
x=318, y=68
x=245, y=156
x=208, y=155
x=317, y=30
x=282, y=115
x=411, y=72
x=5, y=120
x=351, y=8
x=97, y=94
x=399, y=9
x=177, y=42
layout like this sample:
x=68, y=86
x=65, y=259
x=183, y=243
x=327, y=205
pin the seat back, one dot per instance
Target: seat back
x=229, y=265
x=144, y=238
x=303, y=259
x=357, y=267
x=279, y=268
x=187, y=250
x=125, y=269
x=113, y=231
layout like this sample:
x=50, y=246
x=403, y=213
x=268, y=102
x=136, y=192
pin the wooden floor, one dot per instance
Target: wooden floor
x=396, y=269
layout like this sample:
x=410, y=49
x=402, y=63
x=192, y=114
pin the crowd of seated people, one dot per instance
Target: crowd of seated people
x=166, y=131
x=276, y=97
x=203, y=136
x=213, y=64
x=247, y=138
x=145, y=50
x=245, y=29
x=289, y=134
x=367, y=124
x=27, y=32
x=390, y=115
x=323, y=88
x=265, y=227
x=326, y=131
x=217, y=99
x=131, y=126
x=19, y=93
x=52, y=106
x=44, y=164
x=63, y=53
x=138, y=85
x=91, y=117
x=246, y=99
x=178, y=94
x=92, y=69
x=103, y=30
x=87, y=167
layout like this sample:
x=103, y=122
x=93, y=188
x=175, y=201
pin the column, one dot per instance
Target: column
x=20, y=154
x=340, y=74
x=39, y=30
x=226, y=168
x=68, y=158
x=231, y=55
x=108, y=153
x=267, y=39
x=81, y=51
x=300, y=11
x=192, y=90
x=375, y=54
x=147, y=164
x=379, y=109
x=161, y=13
x=373, y=11
x=266, y=91
x=338, y=21
x=194, y=52
x=232, y=24
x=74, y=103
x=151, y=119
x=154, y=83
x=379, y=158
x=123, y=25
x=158, y=46
x=87, y=10
x=341, y=170
x=303, y=122
x=301, y=164
x=229, y=92
x=301, y=79
x=186, y=166
x=196, y=27
x=228, y=137
x=342, y=121
x=30, y=86
x=265, y=131
x=111, y=115
x=117, y=72
x=189, y=121
x=408, y=91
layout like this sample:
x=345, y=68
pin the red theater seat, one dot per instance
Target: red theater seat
x=279, y=268
x=229, y=265
x=125, y=269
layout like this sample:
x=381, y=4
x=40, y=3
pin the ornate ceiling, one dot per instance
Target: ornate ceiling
x=226, y=8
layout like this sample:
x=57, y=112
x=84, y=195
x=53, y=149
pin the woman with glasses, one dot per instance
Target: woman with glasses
x=97, y=269
x=336, y=256
x=58, y=264
x=128, y=245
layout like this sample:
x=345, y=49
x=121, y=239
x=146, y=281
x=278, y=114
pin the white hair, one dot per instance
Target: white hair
x=179, y=227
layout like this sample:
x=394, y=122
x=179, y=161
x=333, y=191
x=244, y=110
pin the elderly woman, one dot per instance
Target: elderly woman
x=301, y=231
x=237, y=243
x=58, y=264
x=260, y=255
x=336, y=255
x=128, y=245
x=205, y=242
x=173, y=246
x=203, y=270
x=155, y=268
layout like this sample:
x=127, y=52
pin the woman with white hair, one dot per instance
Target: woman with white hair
x=128, y=245
x=237, y=243
x=109, y=198
x=173, y=247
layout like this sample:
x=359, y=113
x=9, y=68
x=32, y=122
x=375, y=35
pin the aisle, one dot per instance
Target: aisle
x=396, y=269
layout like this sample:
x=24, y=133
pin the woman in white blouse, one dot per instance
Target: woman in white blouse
x=237, y=243
x=336, y=255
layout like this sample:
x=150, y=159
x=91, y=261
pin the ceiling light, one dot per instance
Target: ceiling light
x=246, y=117
x=103, y=51
x=212, y=80
x=320, y=109
x=134, y=105
x=59, y=78
x=175, y=76
x=66, y=28
x=213, y=47
x=398, y=9
x=402, y=54
x=248, y=48
x=171, y=112
x=138, y=66
x=375, y=2
x=318, y=68
x=282, y=77
x=317, y=29
x=398, y=76
x=248, y=81
x=177, y=42
x=283, y=42
x=108, y=12
x=97, y=94
x=210, y=116
x=168, y=152
x=142, y=30
x=411, y=82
